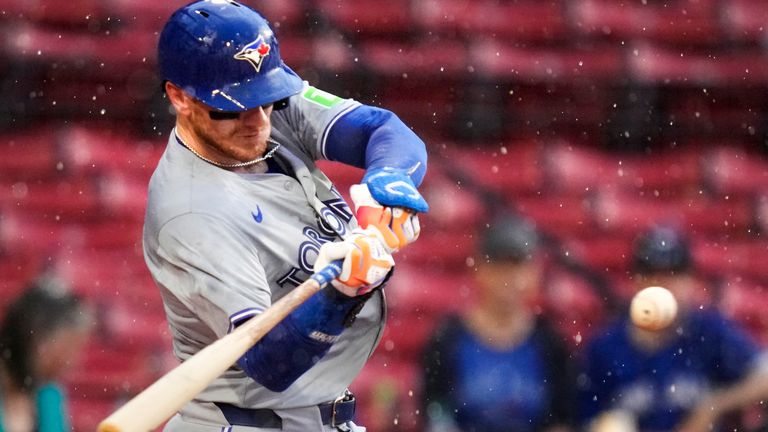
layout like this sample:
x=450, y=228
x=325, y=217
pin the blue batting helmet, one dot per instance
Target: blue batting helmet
x=510, y=238
x=225, y=55
x=662, y=249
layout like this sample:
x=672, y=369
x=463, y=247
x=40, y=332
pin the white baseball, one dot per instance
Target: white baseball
x=653, y=308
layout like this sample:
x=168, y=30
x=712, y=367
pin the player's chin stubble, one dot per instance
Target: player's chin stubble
x=233, y=146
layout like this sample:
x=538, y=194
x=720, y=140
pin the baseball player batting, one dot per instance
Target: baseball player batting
x=239, y=214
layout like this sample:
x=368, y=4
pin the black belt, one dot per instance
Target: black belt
x=334, y=413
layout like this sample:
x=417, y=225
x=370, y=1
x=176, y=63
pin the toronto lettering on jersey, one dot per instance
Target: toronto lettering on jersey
x=331, y=225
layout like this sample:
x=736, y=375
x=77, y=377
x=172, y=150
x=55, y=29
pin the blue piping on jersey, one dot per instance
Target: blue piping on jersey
x=240, y=317
x=309, y=331
x=374, y=138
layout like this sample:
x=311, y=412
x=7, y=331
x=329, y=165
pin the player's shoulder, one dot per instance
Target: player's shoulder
x=708, y=321
x=174, y=192
x=313, y=104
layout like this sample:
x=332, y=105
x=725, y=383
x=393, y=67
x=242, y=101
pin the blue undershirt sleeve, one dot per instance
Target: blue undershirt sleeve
x=374, y=138
x=299, y=341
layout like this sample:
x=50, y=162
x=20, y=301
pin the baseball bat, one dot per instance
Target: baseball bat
x=158, y=402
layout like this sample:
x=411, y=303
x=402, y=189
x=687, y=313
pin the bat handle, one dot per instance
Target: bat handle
x=328, y=273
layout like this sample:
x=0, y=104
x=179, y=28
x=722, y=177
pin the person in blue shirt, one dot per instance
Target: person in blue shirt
x=499, y=366
x=42, y=332
x=683, y=378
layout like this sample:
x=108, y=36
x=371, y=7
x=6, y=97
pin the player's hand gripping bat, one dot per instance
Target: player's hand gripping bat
x=158, y=402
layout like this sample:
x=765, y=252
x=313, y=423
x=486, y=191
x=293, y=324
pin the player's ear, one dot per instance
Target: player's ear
x=181, y=102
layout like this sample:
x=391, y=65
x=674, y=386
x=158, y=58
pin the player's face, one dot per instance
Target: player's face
x=240, y=139
x=506, y=283
x=60, y=352
x=684, y=287
x=227, y=138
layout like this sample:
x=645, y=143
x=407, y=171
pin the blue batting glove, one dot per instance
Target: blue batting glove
x=392, y=188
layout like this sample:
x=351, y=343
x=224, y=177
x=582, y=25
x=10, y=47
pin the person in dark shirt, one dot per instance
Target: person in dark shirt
x=499, y=366
x=681, y=378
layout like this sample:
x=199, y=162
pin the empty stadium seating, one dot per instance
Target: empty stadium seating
x=677, y=22
x=524, y=21
x=745, y=20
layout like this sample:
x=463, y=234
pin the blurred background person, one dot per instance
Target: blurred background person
x=681, y=378
x=42, y=334
x=500, y=366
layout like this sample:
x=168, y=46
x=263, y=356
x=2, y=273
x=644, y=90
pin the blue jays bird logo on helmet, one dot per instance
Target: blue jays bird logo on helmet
x=254, y=52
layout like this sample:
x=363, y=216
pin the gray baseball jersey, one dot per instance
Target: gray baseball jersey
x=223, y=246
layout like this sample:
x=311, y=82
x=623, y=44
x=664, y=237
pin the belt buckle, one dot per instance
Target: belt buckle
x=347, y=395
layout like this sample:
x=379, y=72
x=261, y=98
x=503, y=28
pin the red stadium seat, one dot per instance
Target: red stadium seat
x=522, y=21
x=17, y=271
x=92, y=150
x=556, y=214
x=602, y=252
x=439, y=60
x=672, y=172
x=451, y=203
x=397, y=82
x=730, y=170
x=76, y=52
x=429, y=292
x=743, y=300
x=391, y=389
x=63, y=200
x=298, y=51
x=578, y=169
x=117, y=276
x=110, y=372
x=28, y=155
x=144, y=15
x=140, y=325
x=83, y=13
x=740, y=258
x=573, y=111
x=744, y=20
x=694, y=23
x=87, y=411
x=574, y=306
x=406, y=333
x=508, y=62
x=367, y=18
x=654, y=64
x=628, y=213
x=506, y=169
x=285, y=16
x=23, y=233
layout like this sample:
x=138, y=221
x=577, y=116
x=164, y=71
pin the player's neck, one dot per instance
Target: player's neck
x=191, y=141
x=500, y=330
x=651, y=341
x=211, y=155
x=16, y=404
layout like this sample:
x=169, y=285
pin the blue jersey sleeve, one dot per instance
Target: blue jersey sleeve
x=597, y=380
x=299, y=341
x=374, y=138
x=593, y=386
x=734, y=351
